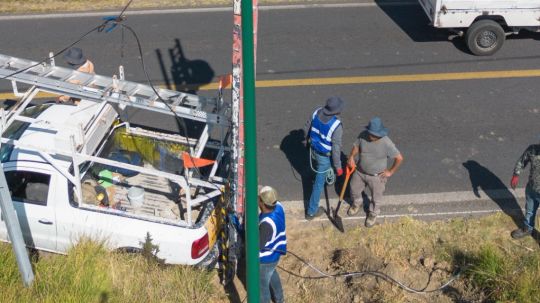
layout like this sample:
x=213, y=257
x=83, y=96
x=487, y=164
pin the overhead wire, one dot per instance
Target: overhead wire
x=98, y=28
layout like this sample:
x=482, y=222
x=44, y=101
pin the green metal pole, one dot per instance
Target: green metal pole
x=250, y=129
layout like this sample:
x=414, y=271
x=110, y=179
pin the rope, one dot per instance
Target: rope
x=330, y=176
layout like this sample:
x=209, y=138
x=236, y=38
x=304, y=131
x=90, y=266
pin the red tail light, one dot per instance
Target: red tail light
x=199, y=247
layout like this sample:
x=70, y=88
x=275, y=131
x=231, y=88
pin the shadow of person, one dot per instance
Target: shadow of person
x=483, y=178
x=298, y=156
x=187, y=75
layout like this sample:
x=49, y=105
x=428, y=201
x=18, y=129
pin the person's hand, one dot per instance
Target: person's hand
x=339, y=172
x=514, y=181
x=63, y=99
x=350, y=163
x=386, y=174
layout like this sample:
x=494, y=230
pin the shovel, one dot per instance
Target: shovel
x=338, y=222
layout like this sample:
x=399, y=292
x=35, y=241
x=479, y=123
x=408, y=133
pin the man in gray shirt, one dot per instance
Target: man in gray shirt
x=374, y=148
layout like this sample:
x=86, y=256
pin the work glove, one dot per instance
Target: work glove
x=514, y=181
x=339, y=172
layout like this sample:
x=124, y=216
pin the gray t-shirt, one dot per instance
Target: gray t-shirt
x=374, y=155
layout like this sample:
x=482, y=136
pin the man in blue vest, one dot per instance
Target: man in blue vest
x=325, y=131
x=272, y=244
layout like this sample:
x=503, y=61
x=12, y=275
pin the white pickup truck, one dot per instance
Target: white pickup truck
x=484, y=23
x=77, y=171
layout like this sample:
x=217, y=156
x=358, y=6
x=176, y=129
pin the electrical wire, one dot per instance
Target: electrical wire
x=386, y=277
x=180, y=120
x=98, y=28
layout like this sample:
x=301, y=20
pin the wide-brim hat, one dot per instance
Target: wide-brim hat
x=376, y=127
x=75, y=56
x=334, y=106
x=268, y=196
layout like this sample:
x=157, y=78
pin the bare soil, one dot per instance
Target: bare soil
x=421, y=255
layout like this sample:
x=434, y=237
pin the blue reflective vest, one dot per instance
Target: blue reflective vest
x=321, y=133
x=277, y=245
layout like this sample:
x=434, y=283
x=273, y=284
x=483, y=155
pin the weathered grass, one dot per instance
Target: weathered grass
x=90, y=273
x=42, y=6
x=497, y=268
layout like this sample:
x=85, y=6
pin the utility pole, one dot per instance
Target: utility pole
x=250, y=128
x=14, y=231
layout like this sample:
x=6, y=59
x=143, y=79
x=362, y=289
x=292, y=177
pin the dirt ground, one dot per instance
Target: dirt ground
x=421, y=255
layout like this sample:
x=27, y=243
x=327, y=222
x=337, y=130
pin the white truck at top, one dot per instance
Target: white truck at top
x=79, y=171
x=484, y=23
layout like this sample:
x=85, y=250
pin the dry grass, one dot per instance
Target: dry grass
x=89, y=273
x=42, y=6
x=409, y=250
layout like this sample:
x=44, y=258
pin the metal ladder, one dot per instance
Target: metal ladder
x=98, y=88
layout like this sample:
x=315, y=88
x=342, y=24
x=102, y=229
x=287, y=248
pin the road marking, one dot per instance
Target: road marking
x=203, y=10
x=401, y=78
x=434, y=214
x=435, y=198
x=500, y=74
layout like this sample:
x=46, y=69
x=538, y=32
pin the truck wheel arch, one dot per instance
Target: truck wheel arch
x=485, y=36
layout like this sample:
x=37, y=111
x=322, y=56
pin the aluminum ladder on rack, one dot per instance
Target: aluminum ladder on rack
x=98, y=88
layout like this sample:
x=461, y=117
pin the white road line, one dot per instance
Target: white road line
x=443, y=197
x=449, y=213
x=199, y=10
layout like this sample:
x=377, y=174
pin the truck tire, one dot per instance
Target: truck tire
x=485, y=37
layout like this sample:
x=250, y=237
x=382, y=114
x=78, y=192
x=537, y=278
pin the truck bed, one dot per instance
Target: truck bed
x=163, y=199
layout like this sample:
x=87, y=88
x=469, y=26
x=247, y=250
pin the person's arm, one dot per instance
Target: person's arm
x=520, y=164
x=336, y=147
x=397, y=163
x=265, y=234
x=352, y=156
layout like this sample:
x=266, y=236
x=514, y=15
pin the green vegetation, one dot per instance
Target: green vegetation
x=493, y=266
x=505, y=277
x=90, y=273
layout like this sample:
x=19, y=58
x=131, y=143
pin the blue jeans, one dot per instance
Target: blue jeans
x=269, y=279
x=321, y=164
x=532, y=200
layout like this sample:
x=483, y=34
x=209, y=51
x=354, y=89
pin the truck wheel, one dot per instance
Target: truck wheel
x=485, y=37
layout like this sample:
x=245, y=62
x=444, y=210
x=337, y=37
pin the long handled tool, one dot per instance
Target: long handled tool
x=338, y=222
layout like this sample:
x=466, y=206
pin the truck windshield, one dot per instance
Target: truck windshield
x=17, y=128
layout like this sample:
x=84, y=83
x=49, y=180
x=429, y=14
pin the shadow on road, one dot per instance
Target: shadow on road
x=483, y=178
x=298, y=155
x=415, y=23
x=184, y=75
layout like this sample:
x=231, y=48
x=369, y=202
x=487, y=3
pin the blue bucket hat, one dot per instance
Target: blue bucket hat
x=376, y=127
x=334, y=106
x=74, y=56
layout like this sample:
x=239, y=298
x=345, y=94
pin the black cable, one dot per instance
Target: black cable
x=180, y=120
x=387, y=278
x=98, y=28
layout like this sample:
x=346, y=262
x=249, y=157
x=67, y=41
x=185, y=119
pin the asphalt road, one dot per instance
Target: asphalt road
x=437, y=125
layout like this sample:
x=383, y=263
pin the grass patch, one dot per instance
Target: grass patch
x=494, y=267
x=48, y=6
x=90, y=273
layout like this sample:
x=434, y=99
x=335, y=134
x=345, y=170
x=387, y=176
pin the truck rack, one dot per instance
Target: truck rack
x=106, y=91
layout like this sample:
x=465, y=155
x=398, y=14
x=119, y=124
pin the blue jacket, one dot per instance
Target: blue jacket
x=277, y=244
x=321, y=133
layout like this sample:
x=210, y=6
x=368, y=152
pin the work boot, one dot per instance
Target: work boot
x=353, y=210
x=521, y=232
x=319, y=212
x=370, y=220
